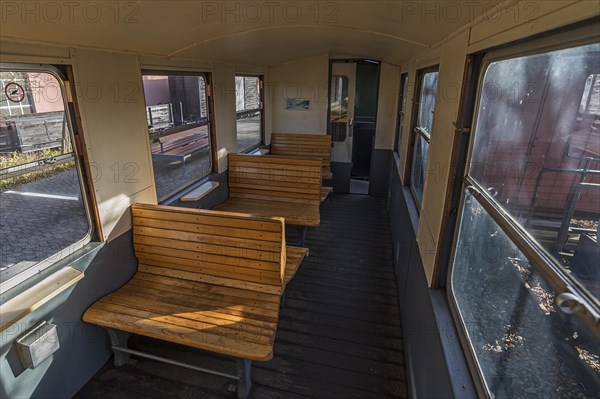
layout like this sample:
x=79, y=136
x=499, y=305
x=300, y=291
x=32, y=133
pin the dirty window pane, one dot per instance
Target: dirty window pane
x=338, y=114
x=178, y=123
x=537, y=151
x=42, y=214
x=525, y=346
x=423, y=133
x=248, y=112
x=427, y=101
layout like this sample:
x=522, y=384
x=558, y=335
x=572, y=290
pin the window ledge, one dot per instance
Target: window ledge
x=36, y=296
x=200, y=191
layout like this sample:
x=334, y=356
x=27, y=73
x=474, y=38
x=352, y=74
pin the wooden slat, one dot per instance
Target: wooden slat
x=208, y=230
x=294, y=258
x=236, y=251
x=206, y=340
x=264, y=300
x=308, y=146
x=205, y=278
x=178, y=308
x=205, y=216
x=230, y=305
x=153, y=314
x=299, y=214
x=207, y=239
x=203, y=257
x=264, y=278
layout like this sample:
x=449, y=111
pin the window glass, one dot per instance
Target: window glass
x=423, y=132
x=418, y=172
x=338, y=113
x=43, y=217
x=523, y=344
x=537, y=151
x=535, y=160
x=248, y=112
x=178, y=123
x=427, y=101
x=401, y=110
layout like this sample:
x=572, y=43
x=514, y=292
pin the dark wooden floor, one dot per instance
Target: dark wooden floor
x=338, y=335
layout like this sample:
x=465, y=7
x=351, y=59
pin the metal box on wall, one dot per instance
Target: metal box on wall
x=38, y=344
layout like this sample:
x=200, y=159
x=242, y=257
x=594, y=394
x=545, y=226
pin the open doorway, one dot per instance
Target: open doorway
x=354, y=89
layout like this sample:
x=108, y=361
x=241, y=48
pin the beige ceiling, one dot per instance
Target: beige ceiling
x=259, y=33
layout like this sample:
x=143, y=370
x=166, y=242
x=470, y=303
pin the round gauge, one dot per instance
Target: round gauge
x=14, y=92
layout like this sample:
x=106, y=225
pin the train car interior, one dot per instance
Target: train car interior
x=300, y=199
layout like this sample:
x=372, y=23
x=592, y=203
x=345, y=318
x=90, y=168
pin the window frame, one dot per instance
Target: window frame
x=211, y=126
x=540, y=259
x=13, y=278
x=402, y=99
x=261, y=109
x=417, y=131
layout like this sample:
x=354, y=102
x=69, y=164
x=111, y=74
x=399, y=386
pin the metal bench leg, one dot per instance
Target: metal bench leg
x=282, y=301
x=302, y=234
x=119, y=339
x=244, y=366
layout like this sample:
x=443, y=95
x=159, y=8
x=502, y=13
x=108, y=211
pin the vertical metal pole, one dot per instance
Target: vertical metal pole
x=302, y=235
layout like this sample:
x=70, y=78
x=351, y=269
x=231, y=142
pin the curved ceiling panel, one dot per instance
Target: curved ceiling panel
x=235, y=31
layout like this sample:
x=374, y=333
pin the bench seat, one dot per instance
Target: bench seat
x=296, y=214
x=181, y=148
x=205, y=279
x=178, y=308
x=307, y=146
x=275, y=186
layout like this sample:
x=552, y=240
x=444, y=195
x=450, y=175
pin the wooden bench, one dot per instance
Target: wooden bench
x=206, y=279
x=275, y=186
x=181, y=148
x=309, y=146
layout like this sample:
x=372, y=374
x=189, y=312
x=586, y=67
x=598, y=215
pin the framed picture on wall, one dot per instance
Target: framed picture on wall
x=297, y=104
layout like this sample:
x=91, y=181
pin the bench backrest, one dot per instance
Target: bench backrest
x=271, y=178
x=221, y=248
x=303, y=146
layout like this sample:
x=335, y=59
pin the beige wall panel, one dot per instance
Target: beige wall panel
x=303, y=78
x=173, y=64
x=427, y=243
x=11, y=51
x=428, y=58
x=223, y=77
x=387, y=106
x=452, y=63
x=109, y=92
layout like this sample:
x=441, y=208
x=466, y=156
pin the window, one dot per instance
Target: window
x=338, y=112
x=525, y=278
x=178, y=112
x=248, y=108
x=43, y=215
x=401, y=110
x=424, y=122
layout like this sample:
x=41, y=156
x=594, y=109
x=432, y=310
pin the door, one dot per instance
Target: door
x=341, y=115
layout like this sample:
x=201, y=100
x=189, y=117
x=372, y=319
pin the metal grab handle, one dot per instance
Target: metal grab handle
x=568, y=303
